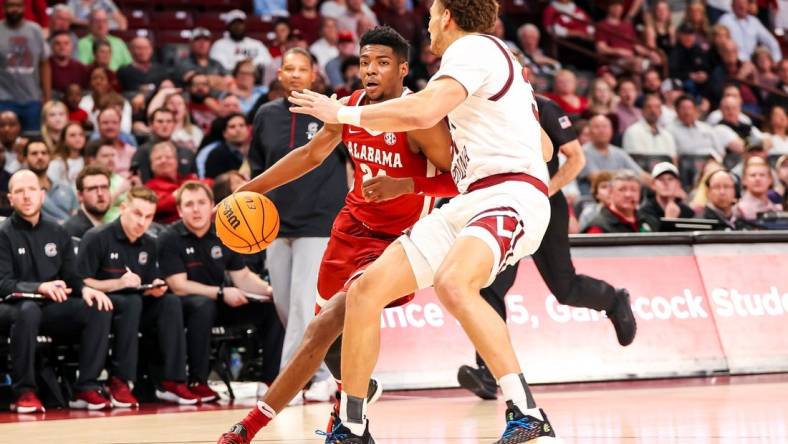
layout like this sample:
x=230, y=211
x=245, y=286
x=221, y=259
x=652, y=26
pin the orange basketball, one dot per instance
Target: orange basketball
x=247, y=222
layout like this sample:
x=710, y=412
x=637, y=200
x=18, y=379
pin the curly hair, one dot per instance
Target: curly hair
x=473, y=15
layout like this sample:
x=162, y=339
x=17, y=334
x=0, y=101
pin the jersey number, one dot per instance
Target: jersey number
x=368, y=172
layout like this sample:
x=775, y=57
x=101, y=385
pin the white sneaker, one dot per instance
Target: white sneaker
x=297, y=400
x=262, y=389
x=321, y=391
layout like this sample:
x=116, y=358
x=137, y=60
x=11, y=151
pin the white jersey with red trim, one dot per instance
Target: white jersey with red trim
x=496, y=129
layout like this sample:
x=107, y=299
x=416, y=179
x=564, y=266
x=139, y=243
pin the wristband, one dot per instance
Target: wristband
x=349, y=115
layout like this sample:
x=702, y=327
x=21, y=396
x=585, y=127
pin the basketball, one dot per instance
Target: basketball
x=247, y=222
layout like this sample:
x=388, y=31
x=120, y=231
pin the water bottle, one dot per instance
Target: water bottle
x=235, y=363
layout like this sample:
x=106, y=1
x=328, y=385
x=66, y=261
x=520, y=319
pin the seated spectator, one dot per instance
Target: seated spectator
x=326, y=48
x=535, y=58
x=600, y=190
x=11, y=141
x=61, y=202
x=236, y=46
x=695, y=17
x=601, y=99
x=563, y=18
x=775, y=99
x=354, y=16
x=102, y=57
x=117, y=258
x=246, y=85
x=692, y=136
x=748, y=31
x=765, y=73
x=660, y=31
x=109, y=131
x=24, y=66
x=162, y=124
x=565, y=94
x=347, y=49
x=621, y=215
x=103, y=153
x=602, y=156
x=731, y=124
x=731, y=70
x=94, y=200
x=202, y=107
x=228, y=105
x=617, y=42
x=54, y=117
x=142, y=75
x=72, y=98
x=645, y=136
x=777, y=131
x=186, y=134
x=61, y=20
x=670, y=91
x=194, y=263
x=65, y=69
x=626, y=112
x=721, y=205
x=307, y=20
x=101, y=89
x=166, y=179
x=230, y=154
x=99, y=29
x=73, y=309
x=403, y=19
x=689, y=60
x=757, y=181
x=82, y=13
x=730, y=90
x=666, y=201
x=199, y=61
x=69, y=156
x=350, y=73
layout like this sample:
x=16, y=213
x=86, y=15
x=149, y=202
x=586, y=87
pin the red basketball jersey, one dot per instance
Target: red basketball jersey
x=384, y=154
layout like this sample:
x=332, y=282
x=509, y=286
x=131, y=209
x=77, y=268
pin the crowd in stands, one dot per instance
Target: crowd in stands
x=680, y=106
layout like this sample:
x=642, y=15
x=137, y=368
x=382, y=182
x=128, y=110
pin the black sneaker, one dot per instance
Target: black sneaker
x=525, y=428
x=622, y=318
x=479, y=381
x=342, y=435
x=373, y=394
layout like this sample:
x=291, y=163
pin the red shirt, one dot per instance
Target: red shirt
x=568, y=107
x=621, y=35
x=578, y=22
x=74, y=72
x=309, y=27
x=166, y=209
x=78, y=115
x=386, y=154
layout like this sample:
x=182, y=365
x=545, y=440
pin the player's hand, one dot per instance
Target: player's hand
x=382, y=188
x=158, y=291
x=55, y=290
x=234, y=297
x=130, y=279
x=316, y=105
x=91, y=296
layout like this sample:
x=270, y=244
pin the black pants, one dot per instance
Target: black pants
x=71, y=320
x=554, y=262
x=201, y=313
x=159, y=317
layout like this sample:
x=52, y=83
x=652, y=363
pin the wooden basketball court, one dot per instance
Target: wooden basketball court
x=712, y=410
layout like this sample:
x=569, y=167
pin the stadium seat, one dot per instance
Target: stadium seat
x=210, y=21
x=170, y=37
x=647, y=161
x=689, y=169
x=130, y=34
x=171, y=20
x=138, y=19
x=257, y=25
x=219, y=5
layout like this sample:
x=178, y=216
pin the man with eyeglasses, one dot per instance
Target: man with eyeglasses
x=94, y=200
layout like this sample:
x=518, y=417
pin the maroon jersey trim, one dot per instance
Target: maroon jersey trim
x=510, y=80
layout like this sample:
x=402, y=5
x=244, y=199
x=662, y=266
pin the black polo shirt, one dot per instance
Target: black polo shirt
x=78, y=224
x=105, y=252
x=558, y=127
x=203, y=259
x=30, y=255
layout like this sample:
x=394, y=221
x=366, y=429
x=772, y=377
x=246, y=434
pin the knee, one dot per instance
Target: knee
x=171, y=304
x=29, y=314
x=453, y=289
x=361, y=297
x=127, y=305
x=204, y=308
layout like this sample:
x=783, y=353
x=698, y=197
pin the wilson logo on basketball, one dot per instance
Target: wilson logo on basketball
x=230, y=216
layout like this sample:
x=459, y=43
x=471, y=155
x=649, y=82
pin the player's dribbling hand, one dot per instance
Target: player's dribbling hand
x=382, y=188
x=55, y=290
x=316, y=105
x=103, y=303
x=234, y=297
x=158, y=291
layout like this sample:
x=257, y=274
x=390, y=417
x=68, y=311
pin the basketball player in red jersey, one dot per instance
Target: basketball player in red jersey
x=363, y=228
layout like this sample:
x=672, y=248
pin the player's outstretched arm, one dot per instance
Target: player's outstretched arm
x=415, y=111
x=297, y=162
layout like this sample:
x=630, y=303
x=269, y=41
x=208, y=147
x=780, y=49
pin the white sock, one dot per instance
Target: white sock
x=266, y=409
x=513, y=390
x=355, y=421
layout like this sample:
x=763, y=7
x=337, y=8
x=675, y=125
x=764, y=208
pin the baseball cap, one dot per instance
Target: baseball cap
x=686, y=28
x=198, y=33
x=664, y=167
x=346, y=37
x=235, y=14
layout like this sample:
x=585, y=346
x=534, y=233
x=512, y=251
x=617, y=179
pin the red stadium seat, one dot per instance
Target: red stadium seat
x=138, y=19
x=130, y=34
x=257, y=25
x=171, y=20
x=218, y=5
x=210, y=21
x=170, y=37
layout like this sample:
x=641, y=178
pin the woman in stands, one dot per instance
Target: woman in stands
x=186, y=134
x=100, y=87
x=660, y=31
x=696, y=17
x=54, y=117
x=69, y=156
x=777, y=130
x=245, y=85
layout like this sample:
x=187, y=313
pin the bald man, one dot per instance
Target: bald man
x=47, y=297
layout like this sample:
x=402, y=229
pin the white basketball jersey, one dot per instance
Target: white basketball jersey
x=496, y=129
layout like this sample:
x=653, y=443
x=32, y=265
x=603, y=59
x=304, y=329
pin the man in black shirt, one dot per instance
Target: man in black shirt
x=94, y=197
x=120, y=259
x=37, y=264
x=229, y=154
x=689, y=61
x=553, y=258
x=193, y=261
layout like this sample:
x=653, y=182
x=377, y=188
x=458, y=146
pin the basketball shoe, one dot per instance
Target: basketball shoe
x=479, y=381
x=28, y=402
x=622, y=318
x=522, y=428
x=373, y=394
x=342, y=435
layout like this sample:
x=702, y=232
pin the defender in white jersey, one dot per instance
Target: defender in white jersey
x=501, y=215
